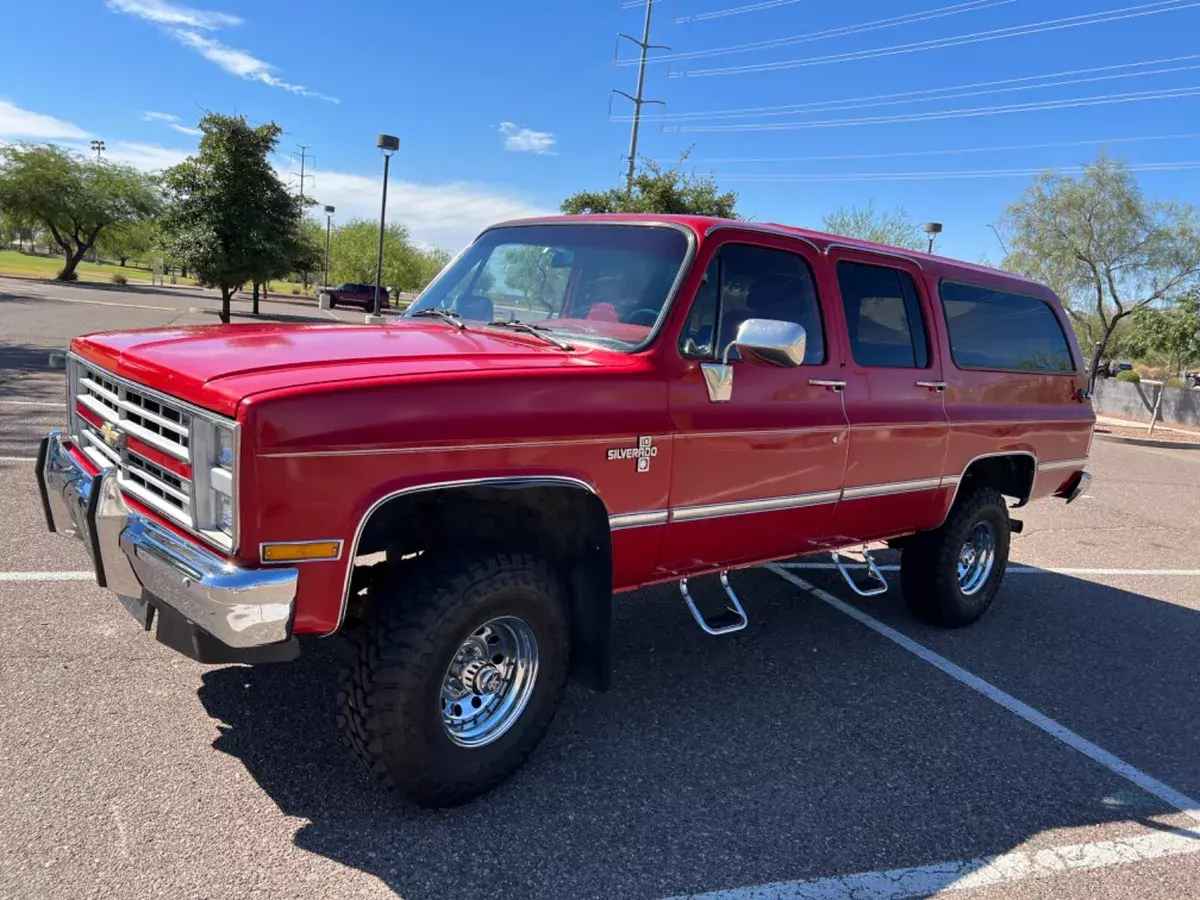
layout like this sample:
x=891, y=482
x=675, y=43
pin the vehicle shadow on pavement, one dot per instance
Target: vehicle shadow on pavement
x=804, y=747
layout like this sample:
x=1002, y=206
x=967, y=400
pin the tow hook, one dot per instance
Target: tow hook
x=1016, y=526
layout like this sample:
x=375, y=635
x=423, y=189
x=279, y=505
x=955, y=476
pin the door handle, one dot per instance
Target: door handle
x=938, y=386
x=835, y=386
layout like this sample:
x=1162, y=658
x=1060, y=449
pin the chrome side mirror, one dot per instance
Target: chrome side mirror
x=770, y=342
x=761, y=341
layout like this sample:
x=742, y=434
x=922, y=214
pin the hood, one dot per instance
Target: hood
x=217, y=366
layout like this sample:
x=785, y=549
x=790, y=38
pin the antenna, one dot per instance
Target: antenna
x=637, y=98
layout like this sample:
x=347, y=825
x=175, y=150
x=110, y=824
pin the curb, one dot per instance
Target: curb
x=1147, y=442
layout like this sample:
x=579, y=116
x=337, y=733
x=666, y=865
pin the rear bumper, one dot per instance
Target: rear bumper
x=208, y=608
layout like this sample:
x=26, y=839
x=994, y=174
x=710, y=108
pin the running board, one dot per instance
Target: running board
x=873, y=573
x=731, y=620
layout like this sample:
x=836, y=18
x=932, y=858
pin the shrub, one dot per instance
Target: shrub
x=296, y=290
x=1175, y=383
x=1130, y=376
x=118, y=278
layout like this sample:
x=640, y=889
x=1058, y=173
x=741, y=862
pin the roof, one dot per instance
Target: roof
x=819, y=240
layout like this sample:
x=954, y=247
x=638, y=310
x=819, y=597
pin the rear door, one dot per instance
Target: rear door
x=894, y=399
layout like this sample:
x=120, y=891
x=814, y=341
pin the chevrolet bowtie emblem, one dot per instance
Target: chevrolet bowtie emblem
x=112, y=435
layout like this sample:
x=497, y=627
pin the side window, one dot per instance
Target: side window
x=883, y=316
x=747, y=282
x=992, y=329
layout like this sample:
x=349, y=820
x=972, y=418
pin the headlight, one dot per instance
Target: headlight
x=224, y=513
x=225, y=448
x=214, y=462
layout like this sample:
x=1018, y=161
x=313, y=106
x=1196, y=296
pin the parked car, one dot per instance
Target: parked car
x=1192, y=380
x=1115, y=368
x=459, y=499
x=354, y=294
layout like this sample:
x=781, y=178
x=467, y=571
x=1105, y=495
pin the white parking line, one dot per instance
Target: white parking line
x=1007, y=868
x=1011, y=570
x=18, y=459
x=46, y=404
x=47, y=576
x=1147, y=783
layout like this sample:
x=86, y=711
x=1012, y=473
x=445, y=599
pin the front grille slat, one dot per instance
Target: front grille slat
x=144, y=416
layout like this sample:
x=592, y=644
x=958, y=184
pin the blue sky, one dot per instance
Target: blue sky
x=502, y=108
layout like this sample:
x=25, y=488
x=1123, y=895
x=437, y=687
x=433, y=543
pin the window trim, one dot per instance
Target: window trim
x=812, y=275
x=911, y=301
x=1060, y=373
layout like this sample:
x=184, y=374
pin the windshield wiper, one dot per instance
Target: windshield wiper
x=446, y=315
x=535, y=330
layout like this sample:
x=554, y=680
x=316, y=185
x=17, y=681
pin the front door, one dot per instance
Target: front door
x=757, y=476
x=894, y=400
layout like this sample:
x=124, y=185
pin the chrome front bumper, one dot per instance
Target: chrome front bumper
x=152, y=568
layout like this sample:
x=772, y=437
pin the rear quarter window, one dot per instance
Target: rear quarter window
x=998, y=330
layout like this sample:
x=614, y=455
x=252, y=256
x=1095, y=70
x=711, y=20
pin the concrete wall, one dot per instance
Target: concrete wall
x=1136, y=401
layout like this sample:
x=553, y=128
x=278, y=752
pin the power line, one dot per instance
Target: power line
x=927, y=95
x=734, y=11
x=940, y=12
x=949, y=175
x=944, y=152
x=967, y=113
x=1113, y=15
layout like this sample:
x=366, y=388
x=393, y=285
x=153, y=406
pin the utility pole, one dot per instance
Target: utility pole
x=637, y=99
x=304, y=158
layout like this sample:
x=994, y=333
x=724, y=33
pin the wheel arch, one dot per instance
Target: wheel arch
x=1011, y=472
x=558, y=517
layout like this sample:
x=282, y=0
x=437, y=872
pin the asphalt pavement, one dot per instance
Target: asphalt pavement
x=810, y=755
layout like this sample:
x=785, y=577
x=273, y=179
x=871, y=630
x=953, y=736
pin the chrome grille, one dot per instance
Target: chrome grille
x=142, y=415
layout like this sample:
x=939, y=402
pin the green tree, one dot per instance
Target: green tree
x=657, y=190
x=73, y=198
x=353, y=250
x=133, y=240
x=891, y=227
x=1104, y=248
x=531, y=271
x=231, y=219
x=1169, y=336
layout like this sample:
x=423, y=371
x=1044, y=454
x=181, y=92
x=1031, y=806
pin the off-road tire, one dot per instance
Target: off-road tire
x=393, y=663
x=929, y=562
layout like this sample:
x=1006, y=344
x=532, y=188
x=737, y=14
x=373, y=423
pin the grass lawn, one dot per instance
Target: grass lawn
x=15, y=263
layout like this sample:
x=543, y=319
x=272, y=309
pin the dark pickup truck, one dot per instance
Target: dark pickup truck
x=351, y=294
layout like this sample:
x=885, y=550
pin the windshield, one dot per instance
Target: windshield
x=596, y=282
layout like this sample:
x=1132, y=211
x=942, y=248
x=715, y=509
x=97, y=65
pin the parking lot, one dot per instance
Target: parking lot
x=833, y=749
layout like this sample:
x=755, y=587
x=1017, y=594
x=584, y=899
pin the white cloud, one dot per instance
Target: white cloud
x=183, y=129
x=21, y=123
x=240, y=63
x=159, y=117
x=445, y=215
x=525, y=140
x=160, y=12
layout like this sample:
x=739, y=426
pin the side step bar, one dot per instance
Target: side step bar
x=873, y=574
x=731, y=620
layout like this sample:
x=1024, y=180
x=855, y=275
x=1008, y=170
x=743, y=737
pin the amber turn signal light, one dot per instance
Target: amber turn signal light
x=301, y=551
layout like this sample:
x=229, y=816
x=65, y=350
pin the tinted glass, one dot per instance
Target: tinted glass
x=992, y=329
x=883, y=316
x=605, y=283
x=746, y=282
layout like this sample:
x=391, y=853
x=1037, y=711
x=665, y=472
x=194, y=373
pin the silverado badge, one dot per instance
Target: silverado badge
x=643, y=453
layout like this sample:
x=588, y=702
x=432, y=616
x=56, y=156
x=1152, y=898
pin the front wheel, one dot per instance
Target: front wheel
x=950, y=576
x=454, y=680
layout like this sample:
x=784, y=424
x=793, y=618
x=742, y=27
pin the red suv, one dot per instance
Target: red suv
x=573, y=409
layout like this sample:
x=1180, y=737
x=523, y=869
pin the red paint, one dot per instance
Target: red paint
x=334, y=417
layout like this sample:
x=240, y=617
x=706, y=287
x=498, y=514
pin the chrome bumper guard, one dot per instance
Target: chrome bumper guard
x=151, y=568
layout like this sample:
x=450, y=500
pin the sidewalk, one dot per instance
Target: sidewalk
x=1145, y=426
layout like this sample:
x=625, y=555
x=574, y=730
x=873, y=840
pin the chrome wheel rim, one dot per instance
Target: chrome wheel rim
x=976, y=559
x=489, y=681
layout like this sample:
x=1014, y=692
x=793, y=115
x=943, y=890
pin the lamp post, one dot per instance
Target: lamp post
x=387, y=144
x=932, y=229
x=329, y=211
x=99, y=147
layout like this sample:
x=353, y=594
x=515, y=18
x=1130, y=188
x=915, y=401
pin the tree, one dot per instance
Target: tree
x=231, y=219
x=353, y=250
x=1170, y=336
x=130, y=241
x=891, y=227
x=656, y=190
x=74, y=198
x=1102, y=246
x=531, y=271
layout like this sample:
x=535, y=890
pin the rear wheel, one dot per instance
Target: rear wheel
x=950, y=576
x=450, y=686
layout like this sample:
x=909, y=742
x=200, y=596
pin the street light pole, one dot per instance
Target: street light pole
x=99, y=147
x=932, y=229
x=387, y=144
x=329, y=211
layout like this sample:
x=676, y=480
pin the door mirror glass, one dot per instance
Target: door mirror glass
x=770, y=342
